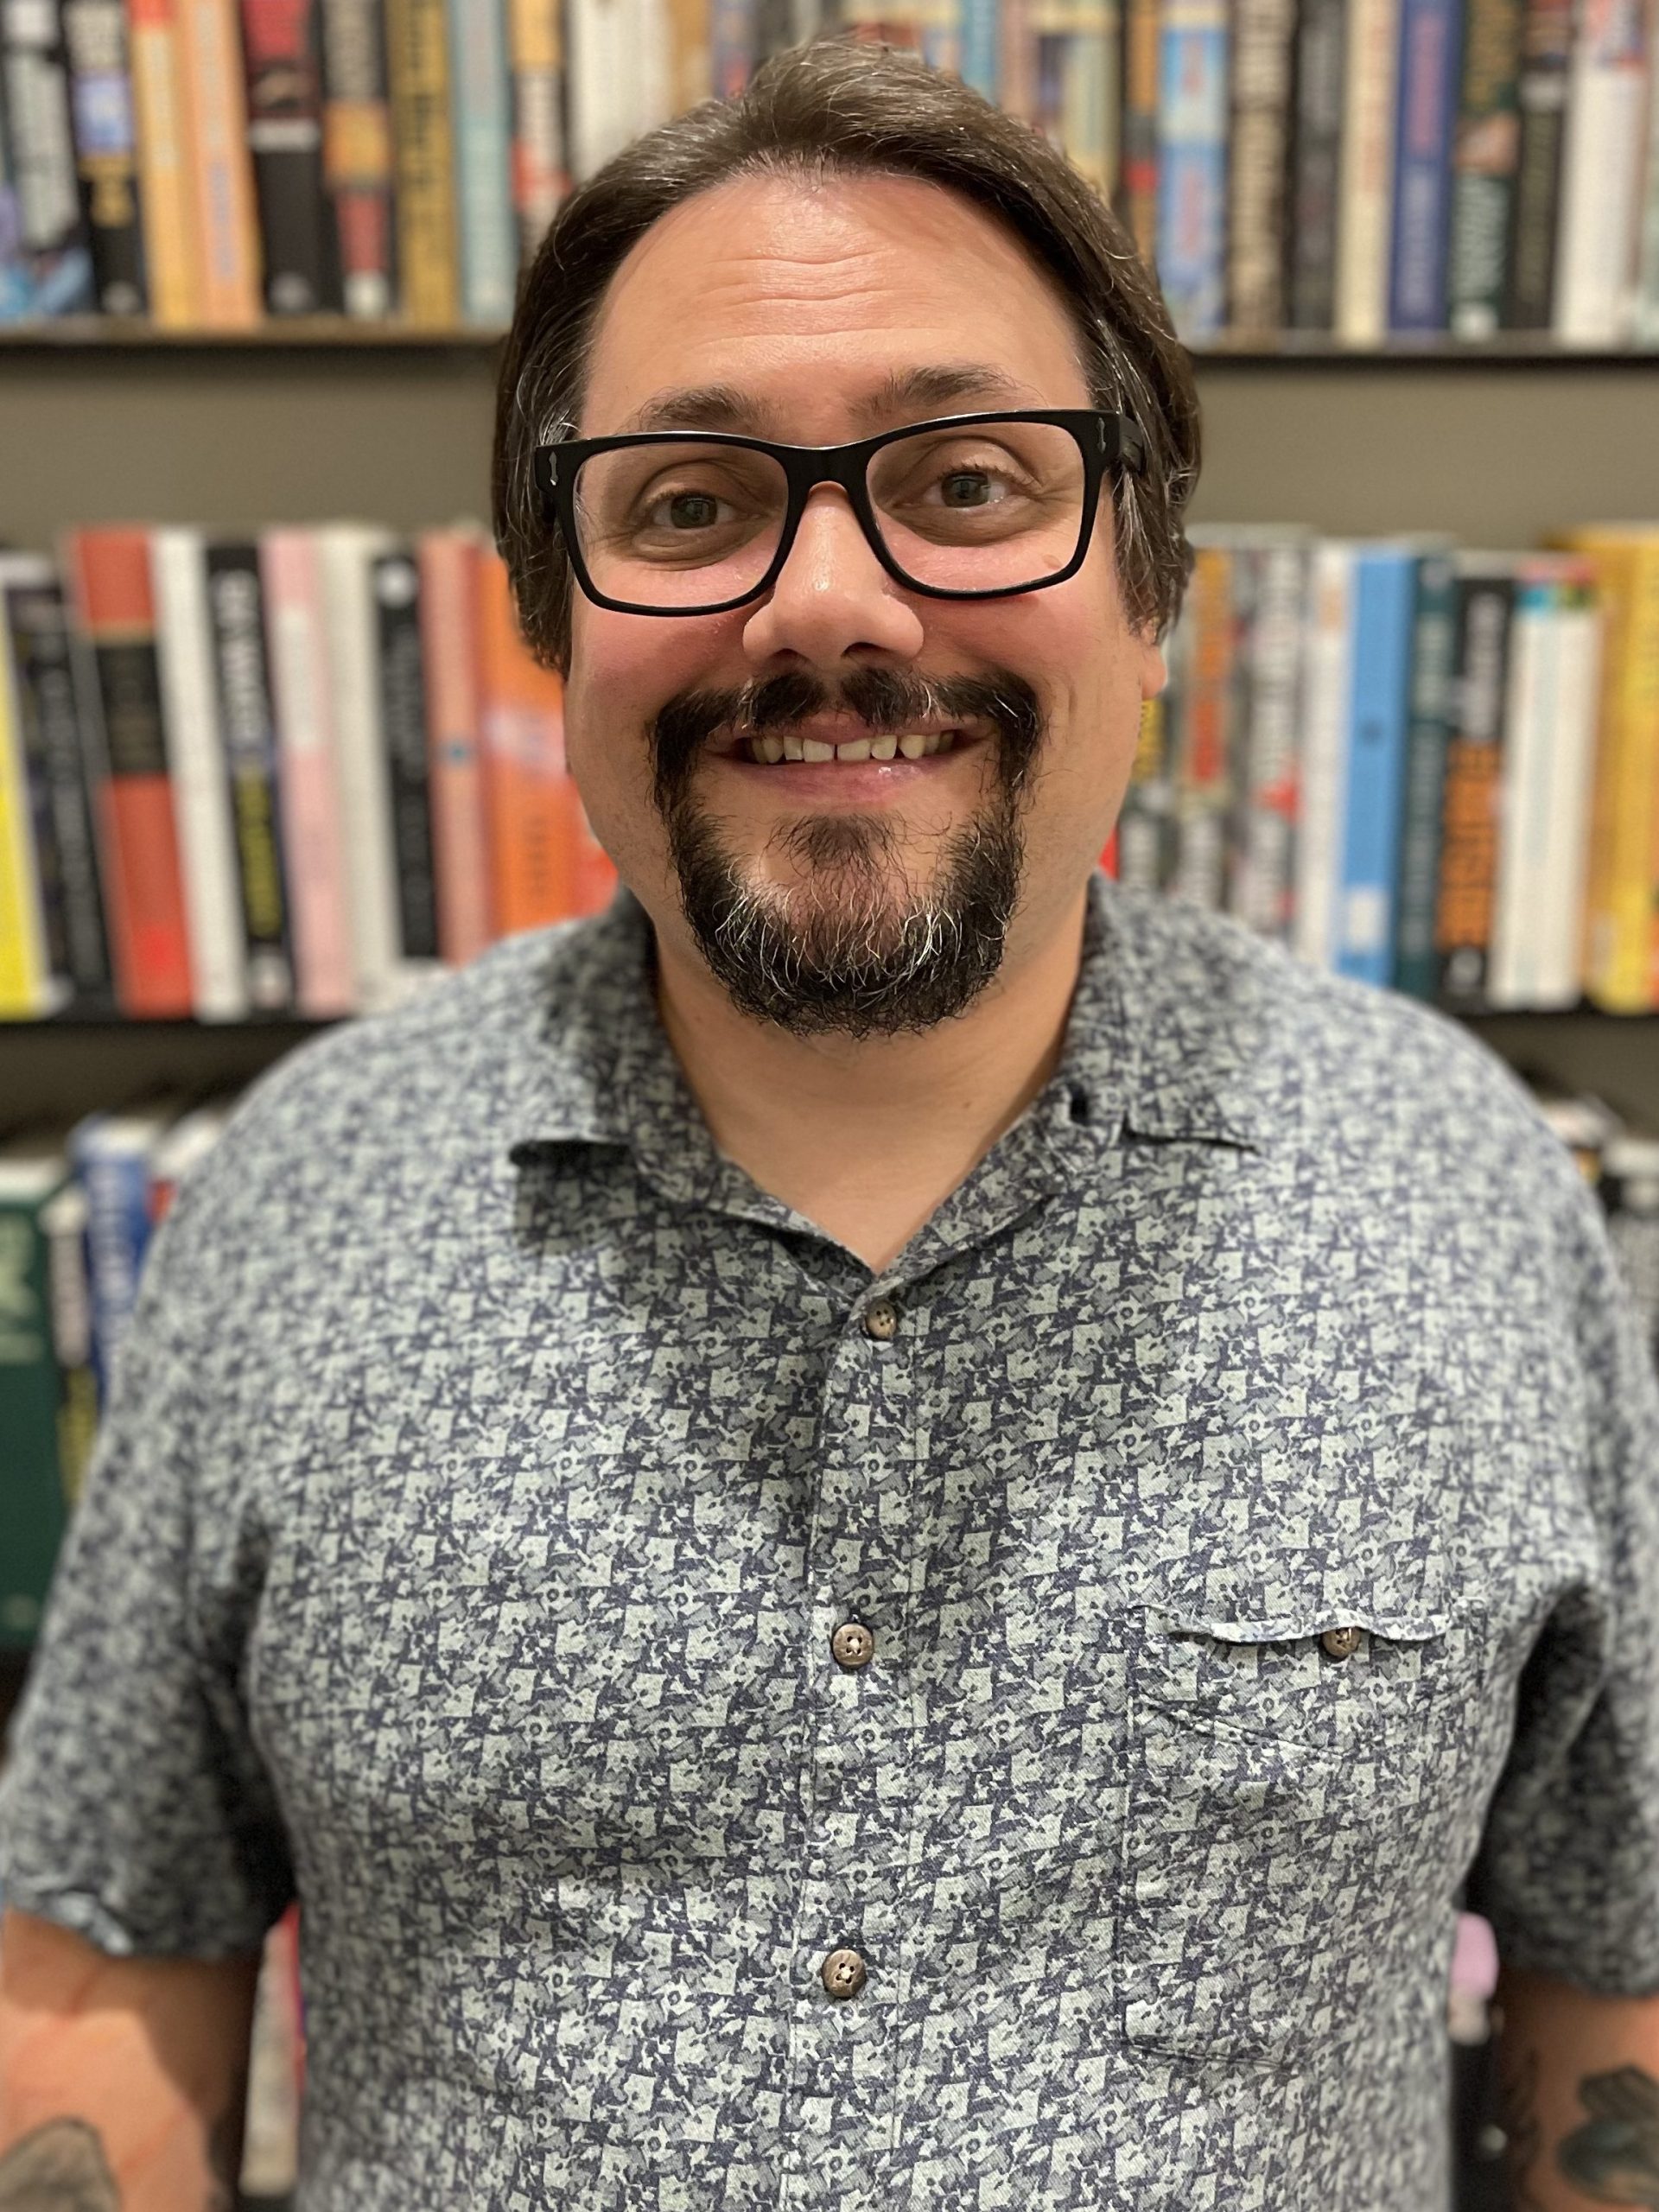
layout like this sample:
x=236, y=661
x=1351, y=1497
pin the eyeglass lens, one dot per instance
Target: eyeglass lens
x=992, y=506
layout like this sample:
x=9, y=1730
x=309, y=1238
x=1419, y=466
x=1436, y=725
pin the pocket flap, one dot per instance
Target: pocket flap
x=1404, y=1613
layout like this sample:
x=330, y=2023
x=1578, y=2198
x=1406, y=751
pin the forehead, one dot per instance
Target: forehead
x=813, y=298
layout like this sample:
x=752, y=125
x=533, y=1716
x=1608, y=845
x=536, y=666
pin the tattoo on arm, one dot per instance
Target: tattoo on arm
x=1614, y=2157
x=59, y=2167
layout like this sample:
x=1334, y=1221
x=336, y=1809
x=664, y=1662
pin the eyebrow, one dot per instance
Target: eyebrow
x=936, y=384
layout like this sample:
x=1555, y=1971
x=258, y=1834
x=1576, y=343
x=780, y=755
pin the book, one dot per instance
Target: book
x=1264, y=34
x=1641, y=312
x=1486, y=149
x=1068, y=80
x=1313, y=188
x=1199, y=725
x=29, y=988
x=1144, y=831
x=33, y=1506
x=1425, y=120
x=1262, y=838
x=217, y=140
x=314, y=847
x=118, y=690
x=1416, y=964
x=1602, y=162
x=112, y=1155
x=1138, y=192
x=1384, y=607
x=54, y=248
x=482, y=135
x=357, y=155
x=106, y=151
x=403, y=720
x=63, y=1222
x=535, y=60
x=196, y=753
x=417, y=69
x=1365, y=187
x=448, y=560
x=1471, y=809
x=1192, y=165
x=1327, y=692
x=1540, y=94
x=281, y=41
x=528, y=797
x=247, y=730
x=166, y=200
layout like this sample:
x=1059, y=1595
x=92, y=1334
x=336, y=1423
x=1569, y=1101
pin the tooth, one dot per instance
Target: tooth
x=811, y=750
x=859, y=749
x=771, y=749
x=883, y=748
x=913, y=744
x=792, y=745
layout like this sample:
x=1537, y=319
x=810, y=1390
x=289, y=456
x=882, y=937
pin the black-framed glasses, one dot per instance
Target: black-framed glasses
x=969, y=506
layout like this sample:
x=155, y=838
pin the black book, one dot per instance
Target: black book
x=1541, y=91
x=1315, y=160
x=248, y=727
x=1471, y=793
x=282, y=53
x=403, y=715
x=41, y=148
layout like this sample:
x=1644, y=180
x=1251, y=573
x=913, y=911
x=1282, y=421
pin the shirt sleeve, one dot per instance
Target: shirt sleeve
x=1568, y=1871
x=134, y=1808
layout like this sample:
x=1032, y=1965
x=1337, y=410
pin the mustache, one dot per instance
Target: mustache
x=887, y=702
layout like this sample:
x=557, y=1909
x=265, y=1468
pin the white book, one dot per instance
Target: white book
x=1365, y=177
x=347, y=553
x=1529, y=712
x=195, y=758
x=1602, y=166
x=601, y=68
x=1573, y=773
x=1327, y=680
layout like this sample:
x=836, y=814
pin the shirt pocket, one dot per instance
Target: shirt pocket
x=1300, y=1804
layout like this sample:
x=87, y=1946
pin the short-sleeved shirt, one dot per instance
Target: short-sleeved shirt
x=1246, y=1486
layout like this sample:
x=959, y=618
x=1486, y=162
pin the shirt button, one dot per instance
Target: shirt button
x=881, y=1319
x=1341, y=1643
x=843, y=1974
x=853, y=1645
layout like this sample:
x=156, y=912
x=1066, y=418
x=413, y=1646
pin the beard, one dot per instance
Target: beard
x=858, y=948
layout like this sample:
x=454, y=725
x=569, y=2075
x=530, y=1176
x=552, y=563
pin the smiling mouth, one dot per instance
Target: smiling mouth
x=775, y=748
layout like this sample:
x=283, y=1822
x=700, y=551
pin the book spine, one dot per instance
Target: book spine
x=34, y=861
x=313, y=838
x=1523, y=890
x=528, y=794
x=1264, y=884
x=63, y=1222
x=119, y=691
x=357, y=155
x=1644, y=310
x=280, y=40
x=55, y=253
x=1485, y=151
x=184, y=653
x=1428, y=75
x=1384, y=592
x=1201, y=755
x=114, y=1174
x=478, y=80
x=1315, y=155
x=26, y=985
x=227, y=237
x=1263, y=35
x=32, y=1509
x=1365, y=190
x=247, y=726
x=1471, y=809
x=419, y=71
x=1327, y=685
x=1138, y=188
x=1417, y=965
x=691, y=65
x=36, y=646
x=448, y=560
x=346, y=554
x=1192, y=165
x=980, y=40
x=106, y=151
x=1570, y=753
x=731, y=42
x=1601, y=169
x=536, y=55
x=1145, y=833
x=165, y=199
x=403, y=725
x=1541, y=93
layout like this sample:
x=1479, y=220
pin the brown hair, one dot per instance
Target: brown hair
x=836, y=107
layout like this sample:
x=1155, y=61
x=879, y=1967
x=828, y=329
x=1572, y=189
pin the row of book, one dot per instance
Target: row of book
x=1360, y=168
x=1430, y=768
x=289, y=773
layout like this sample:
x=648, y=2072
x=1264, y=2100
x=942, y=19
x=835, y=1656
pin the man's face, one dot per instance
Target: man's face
x=859, y=897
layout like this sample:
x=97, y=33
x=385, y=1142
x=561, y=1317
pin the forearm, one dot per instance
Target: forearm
x=1581, y=2076
x=121, y=2081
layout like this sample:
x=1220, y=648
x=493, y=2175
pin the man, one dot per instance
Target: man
x=889, y=1529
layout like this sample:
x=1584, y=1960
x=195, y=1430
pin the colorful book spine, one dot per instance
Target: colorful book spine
x=357, y=155
x=282, y=61
x=313, y=836
x=1145, y=833
x=535, y=58
x=32, y=1509
x=483, y=142
x=1262, y=888
x=1264, y=34
x=1470, y=810
x=1070, y=80
x=1485, y=151
x=248, y=729
x=1602, y=163
x=110, y=1156
x=528, y=797
x=1365, y=190
x=1326, y=690
x=419, y=71
x=118, y=690
x=1313, y=193
x=166, y=199
x=1138, y=192
x=1201, y=733
x=53, y=249
x=691, y=65
x=1385, y=590
x=1417, y=965
x=347, y=553
x=1192, y=165
x=106, y=151
x=1541, y=93
x=731, y=42
x=227, y=232
x=448, y=562
x=403, y=729
x=1531, y=721
x=27, y=987
x=980, y=41
x=1425, y=120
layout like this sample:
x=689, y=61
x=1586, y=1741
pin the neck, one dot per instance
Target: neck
x=868, y=1137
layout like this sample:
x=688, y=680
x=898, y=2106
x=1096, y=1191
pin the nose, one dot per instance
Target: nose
x=833, y=599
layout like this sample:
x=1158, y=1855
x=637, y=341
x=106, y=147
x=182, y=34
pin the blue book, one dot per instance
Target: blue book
x=111, y=1154
x=486, y=228
x=1192, y=94
x=981, y=30
x=1426, y=113
x=1384, y=607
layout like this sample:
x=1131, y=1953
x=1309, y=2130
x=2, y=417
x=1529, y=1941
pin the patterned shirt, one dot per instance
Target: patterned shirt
x=1011, y=1731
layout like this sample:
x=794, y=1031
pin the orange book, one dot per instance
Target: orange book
x=216, y=141
x=449, y=561
x=108, y=574
x=529, y=801
x=165, y=196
